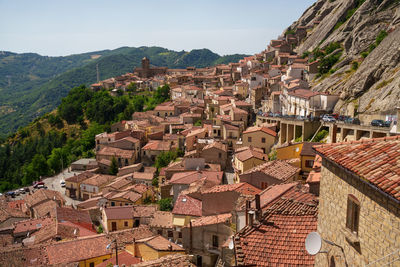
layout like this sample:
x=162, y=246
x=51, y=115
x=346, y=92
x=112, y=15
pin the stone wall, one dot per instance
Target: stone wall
x=379, y=221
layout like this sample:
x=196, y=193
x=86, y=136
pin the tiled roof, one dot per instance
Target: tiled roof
x=192, y=176
x=31, y=225
x=209, y=220
x=307, y=149
x=119, y=212
x=243, y=188
x=80, y=177
x=78, y=249
x=279, y=239
x=174, y=260
x=46, y=208
x=162, y=219
x=99, y=180
x=123, y=258
x=250, y=153
x=376, y=161
x=126, y=236
x=116, y=152
x=143, y=175
x=160, y=243
x=262, y=129
x=157, y=145
x=6, y=213
x=143, y=211
x=42, y=195
x=186, y=205
x=217, y=145
x=72, y=215
x=278, y=169
x=89, y=203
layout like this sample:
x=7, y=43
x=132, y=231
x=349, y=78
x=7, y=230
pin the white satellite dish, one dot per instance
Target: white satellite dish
x=313, y=243
x=230, y=245
x=75, y=232
x=108, y=246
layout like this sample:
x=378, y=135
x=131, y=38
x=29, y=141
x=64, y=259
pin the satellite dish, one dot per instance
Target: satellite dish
x=108, y=246
x=313, y=243
x=230, y=245
x=75, y=232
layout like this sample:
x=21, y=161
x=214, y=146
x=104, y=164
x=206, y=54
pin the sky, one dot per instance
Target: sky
x=59, y=28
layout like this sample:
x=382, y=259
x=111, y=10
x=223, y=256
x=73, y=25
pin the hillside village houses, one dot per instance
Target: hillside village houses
x=234, y=193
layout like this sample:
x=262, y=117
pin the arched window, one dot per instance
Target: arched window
x=353, y=213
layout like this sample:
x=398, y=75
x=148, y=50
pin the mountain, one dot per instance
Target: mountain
x=366, y=38
x=32, y=85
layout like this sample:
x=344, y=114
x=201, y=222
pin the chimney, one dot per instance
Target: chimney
x=258, y=207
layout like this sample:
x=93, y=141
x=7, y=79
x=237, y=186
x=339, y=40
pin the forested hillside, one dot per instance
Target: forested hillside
x=32, y=85
x=58, y=138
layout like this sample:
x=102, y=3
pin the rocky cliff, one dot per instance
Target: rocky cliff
x=367, y=75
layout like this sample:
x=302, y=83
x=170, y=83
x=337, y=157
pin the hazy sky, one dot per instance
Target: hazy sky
x=55, y=27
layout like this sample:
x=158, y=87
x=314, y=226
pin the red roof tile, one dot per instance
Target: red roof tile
x=193, y=176
x=209, y=220
x=278, y=169
x=186, y=205
x=279, y=239
x=262, y=129
x=376, y=161
x=123, y=258
x=243, y=188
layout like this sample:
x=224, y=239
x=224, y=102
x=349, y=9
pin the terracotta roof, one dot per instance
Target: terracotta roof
x=160, y=243
x=176, y=260
x=72, y=215
x=143, y=210
x=139, y=188
x=16, y=204
x=161, y=219
x=46, y=208
x=262, y=129
x=186, y=205
x=375, y=161
x=243, y=188
x=143, y=176
x=307, y=149
x=279, y=239
x=89, y=203
x=80, y=177
x=123, y=258
x=278, y=169
x=250, y=153
x=217, y=145
x=158, y=145
x=192, y=176
x=303, y=93
x=6, y=213
x=78, y=249
x=119, y=212
x=209, y=220
x=31, y=225
x=239, y=111
x=42, y=195
x=113, y=151
x=99, y=180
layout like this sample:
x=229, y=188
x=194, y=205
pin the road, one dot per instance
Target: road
x=53, y=183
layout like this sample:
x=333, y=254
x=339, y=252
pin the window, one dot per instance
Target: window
x=126, y=224
x=170, y=233
x=353, y=213
x=219, y=155
x=137, y=223
x=263, y=140
x=113, y=204
x=126, y=162
x=309, y=163
x=180, y=235
x=215, y=241
x=91, y=264
x=159, y=232
x=249, y=139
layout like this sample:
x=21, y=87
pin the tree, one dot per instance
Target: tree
x=114, y=166
x=39, y=165
x=165, y=204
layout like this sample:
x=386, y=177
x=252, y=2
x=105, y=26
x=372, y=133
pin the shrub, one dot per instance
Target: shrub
x=354, y=65
x=165, y=204
x=382, y=34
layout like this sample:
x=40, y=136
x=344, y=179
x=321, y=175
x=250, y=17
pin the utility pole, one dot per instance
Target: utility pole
x=97, y=71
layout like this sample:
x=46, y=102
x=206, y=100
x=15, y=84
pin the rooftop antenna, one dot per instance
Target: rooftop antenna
x=97, y=71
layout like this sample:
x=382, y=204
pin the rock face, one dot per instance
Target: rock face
x=373, y=87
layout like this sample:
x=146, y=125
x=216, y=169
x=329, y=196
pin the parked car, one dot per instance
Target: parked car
x=379, y=123
x=335, y=115
x=62, y=183
x=387, y=123
x=10, y=193
x=37, y=184
x=22, y=190
x=27, y=189
x=328, y=118
x=343, y=118
x=353, y=121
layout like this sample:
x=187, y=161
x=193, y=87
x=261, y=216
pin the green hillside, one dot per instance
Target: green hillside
x=32, y=85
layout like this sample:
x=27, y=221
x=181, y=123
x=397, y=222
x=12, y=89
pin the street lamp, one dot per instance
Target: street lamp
x=116, y=250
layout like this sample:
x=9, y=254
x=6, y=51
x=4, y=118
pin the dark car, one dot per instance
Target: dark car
x=379, y=123
x=11, y=193
x=335, y=115
x=387, y=124
x=353, y=121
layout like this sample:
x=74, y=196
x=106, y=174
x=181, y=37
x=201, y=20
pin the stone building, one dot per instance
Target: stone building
x=146, y=71
x=359, y=207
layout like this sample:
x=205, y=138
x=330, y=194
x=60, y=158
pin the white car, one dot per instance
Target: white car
x=328, y=118
x=62, y=183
